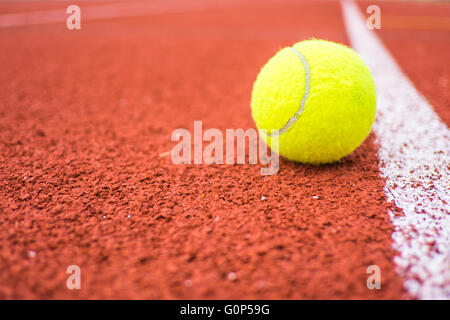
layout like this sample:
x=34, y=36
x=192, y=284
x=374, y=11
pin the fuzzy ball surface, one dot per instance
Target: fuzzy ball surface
x=321, y=97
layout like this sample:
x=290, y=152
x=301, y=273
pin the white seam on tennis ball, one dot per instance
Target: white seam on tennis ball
x=295, y=117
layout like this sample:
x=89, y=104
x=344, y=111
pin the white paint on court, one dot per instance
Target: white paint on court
x=109, y=11
x=414, y=158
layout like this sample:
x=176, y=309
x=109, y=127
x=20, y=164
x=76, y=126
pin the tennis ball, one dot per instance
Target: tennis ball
x=321, y=97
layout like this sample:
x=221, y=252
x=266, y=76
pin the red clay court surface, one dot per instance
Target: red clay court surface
x=85, y=115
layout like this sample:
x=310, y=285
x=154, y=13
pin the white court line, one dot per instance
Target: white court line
x=414, y=158
x=108, y=11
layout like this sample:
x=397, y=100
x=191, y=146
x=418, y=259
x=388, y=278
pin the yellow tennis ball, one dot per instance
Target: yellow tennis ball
x=321, y=97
